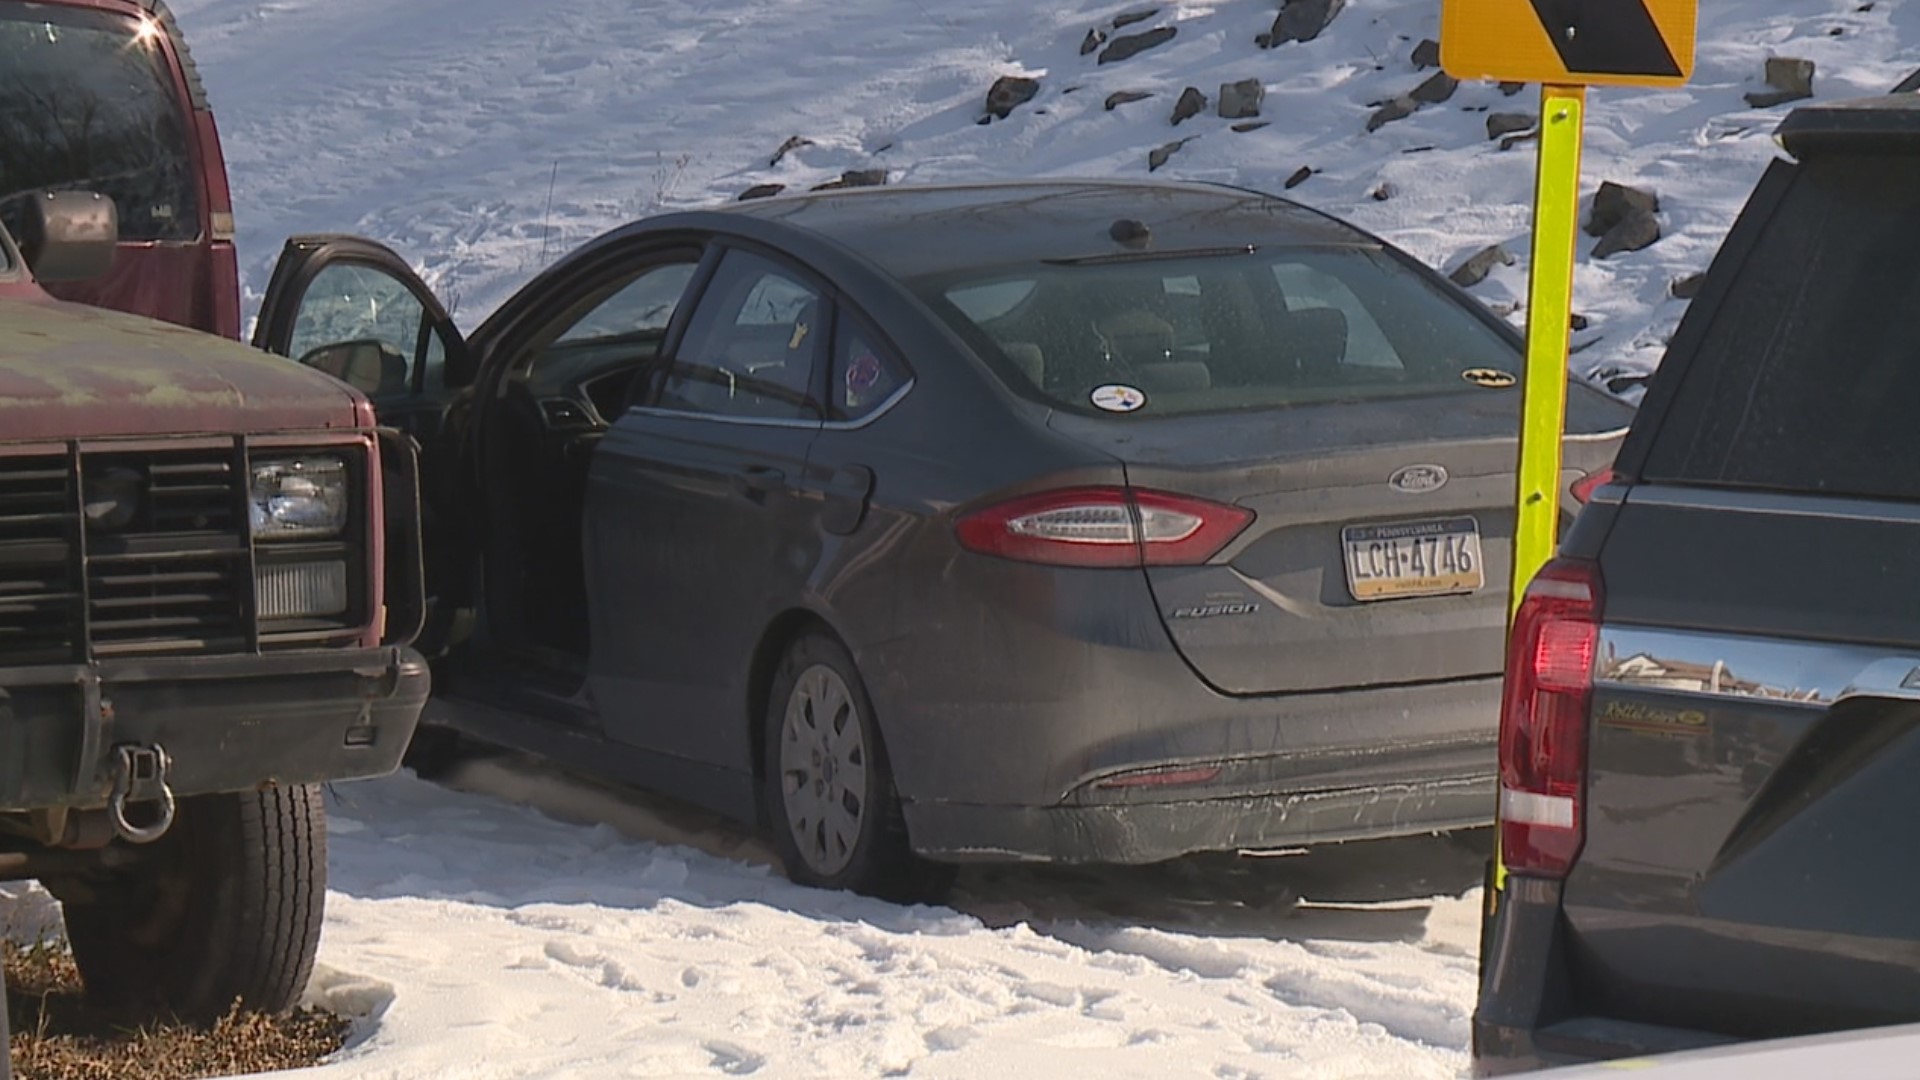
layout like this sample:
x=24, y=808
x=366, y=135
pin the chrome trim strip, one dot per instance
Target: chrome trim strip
x=756, y=421
x=1752, y=501
x=1727, y=665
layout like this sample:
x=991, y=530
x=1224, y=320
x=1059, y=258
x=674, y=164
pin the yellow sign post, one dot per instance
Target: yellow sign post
x=1565, y=46
x=1556, y=223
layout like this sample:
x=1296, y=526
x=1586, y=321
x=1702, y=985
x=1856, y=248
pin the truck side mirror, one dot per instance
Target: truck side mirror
x=69, y=235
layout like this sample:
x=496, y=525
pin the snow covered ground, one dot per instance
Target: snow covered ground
x=484, y=932
x=487, y=940
x=529, y=924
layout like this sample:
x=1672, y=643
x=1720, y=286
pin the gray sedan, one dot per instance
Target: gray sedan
x=1060, y=520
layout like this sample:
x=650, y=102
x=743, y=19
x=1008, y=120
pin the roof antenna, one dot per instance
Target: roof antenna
x=546, y=222
x=1133, y=234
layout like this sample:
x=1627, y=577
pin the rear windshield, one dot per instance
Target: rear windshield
x=1213, y=332
x=87, y=101
x=1806, y=379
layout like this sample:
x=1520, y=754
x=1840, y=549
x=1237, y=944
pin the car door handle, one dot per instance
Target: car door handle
x=756, y=481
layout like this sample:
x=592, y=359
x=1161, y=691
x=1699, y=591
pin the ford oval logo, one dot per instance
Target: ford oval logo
x=1418, y=479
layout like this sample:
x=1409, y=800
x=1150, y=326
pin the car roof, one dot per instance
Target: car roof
x=915, y=230
x=1887, y=122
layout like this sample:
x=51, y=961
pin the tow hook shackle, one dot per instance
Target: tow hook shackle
x=140, y=776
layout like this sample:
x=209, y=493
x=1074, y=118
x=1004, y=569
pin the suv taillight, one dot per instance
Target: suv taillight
x=1584, y=487
x=1103, y=526
x=1543, y=719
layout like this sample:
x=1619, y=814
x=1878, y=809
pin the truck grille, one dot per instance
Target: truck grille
x=39, y=589
x=108, y=552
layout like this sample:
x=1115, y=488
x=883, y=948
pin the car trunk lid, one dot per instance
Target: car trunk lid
x=1357, y=505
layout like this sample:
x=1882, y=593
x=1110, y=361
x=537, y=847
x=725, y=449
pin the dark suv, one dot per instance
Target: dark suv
x=1710, y=740
x=102, y=95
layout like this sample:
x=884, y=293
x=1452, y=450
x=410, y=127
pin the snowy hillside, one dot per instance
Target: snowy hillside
x=483, y=137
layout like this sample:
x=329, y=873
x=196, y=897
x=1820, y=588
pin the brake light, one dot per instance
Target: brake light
x=1543, y=718
x=1584, y=487
x=1104, y=527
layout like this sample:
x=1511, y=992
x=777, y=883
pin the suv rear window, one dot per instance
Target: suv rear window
x=1807, y=376
x=1211, y=332
x=87, y=100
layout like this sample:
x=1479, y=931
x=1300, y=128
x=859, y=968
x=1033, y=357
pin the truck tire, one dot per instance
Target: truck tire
x=227, y=908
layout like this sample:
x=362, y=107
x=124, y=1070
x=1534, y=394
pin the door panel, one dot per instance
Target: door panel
x=696, y=529
x=702, y=516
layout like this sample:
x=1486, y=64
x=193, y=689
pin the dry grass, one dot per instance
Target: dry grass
x=56, y=1036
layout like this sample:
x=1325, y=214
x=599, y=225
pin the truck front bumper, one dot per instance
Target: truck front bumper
x=227, y=723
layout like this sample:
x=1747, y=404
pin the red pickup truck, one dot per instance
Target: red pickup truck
x=210, y=560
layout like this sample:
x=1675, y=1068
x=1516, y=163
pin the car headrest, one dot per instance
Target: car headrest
x=1027, y=357
x=1136, y=337
x=1317, y=339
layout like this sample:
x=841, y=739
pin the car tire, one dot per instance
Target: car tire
x=831, y=804
x=225, y=908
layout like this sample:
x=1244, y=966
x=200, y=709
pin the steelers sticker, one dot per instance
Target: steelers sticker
x=1117, y=398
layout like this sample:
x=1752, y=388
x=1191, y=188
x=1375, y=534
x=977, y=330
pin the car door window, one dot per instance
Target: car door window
x=640, y=308
x=752, y=346
x=392, y=351
x=596, y=354
x=865, y=375
x=87, y=100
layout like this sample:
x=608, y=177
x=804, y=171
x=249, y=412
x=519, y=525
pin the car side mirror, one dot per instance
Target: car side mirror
x=372, y=367
x=69, y=235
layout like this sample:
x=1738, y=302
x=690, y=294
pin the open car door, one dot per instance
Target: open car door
x=354, y=309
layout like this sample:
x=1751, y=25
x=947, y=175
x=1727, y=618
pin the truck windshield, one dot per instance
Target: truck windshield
x=1217, y=331
x=88, y=101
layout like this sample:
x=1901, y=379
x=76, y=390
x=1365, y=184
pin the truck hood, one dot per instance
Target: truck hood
x=68, y=371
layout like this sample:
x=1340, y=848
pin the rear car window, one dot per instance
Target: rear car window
x=87, y=100
x=1807, y=375
x=1213, y=332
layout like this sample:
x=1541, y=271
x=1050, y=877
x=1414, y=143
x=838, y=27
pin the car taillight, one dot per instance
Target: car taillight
x=1584, y=487
x=1104, y=526
x=1543, y=718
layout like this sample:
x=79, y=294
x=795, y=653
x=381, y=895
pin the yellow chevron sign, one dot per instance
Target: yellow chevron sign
x=1570, y=42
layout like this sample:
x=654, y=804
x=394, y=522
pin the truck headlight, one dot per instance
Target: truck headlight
x=298, y=498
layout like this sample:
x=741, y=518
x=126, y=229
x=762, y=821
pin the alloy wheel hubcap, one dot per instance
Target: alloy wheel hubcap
x=823, y=770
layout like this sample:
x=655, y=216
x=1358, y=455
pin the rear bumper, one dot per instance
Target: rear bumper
x=1528, y=1015
x=1031, y=723
x=229, y=723
x=1145, y=832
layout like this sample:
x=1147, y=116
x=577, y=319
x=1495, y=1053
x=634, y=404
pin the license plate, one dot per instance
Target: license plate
x=1413, y=558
